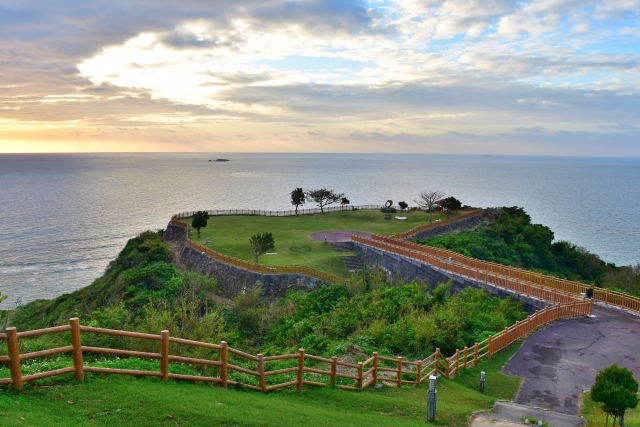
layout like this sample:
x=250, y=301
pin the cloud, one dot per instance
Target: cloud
x=527, y=73
x=533, y=130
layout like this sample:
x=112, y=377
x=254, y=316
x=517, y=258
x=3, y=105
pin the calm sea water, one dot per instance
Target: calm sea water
x=64, y=217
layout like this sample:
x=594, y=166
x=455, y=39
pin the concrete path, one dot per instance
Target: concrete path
x=509, y=414
x=561, y=361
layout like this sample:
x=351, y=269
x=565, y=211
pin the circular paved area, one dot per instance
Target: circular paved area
x=561, y=361
x=334, y=236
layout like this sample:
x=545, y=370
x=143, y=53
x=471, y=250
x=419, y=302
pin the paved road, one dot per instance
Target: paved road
x=562, y=360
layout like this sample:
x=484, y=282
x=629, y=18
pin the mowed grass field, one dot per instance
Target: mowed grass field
x=230, y=235
x=128, y=401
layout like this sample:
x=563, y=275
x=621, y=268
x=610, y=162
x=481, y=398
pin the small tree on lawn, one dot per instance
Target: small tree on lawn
x=323, y=197
x=261, y=242
x=428, y=200
x=297, y=198
x=617, y=390
x=200, y=220
x=344, y=202
x=403, y=205
x=451, y=204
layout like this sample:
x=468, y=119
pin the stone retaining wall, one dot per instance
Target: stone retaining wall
x=233, y=281
x=410, y=269
x=448, y=228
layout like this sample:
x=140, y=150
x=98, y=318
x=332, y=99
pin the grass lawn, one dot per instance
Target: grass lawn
x=230, y=235
x=129, y=401
x=595, y=416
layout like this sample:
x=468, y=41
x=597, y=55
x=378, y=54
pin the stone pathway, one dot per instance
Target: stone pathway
x=561, y=361
x=508, y=414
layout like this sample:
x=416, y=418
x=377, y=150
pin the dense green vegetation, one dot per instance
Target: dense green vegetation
x=510, y=238
x=230, y=235
x=143, y=291
x=127, y=401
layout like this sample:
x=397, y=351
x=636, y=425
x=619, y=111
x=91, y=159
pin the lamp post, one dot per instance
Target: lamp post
x=431, y=399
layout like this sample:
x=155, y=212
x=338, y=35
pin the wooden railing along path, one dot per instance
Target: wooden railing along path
x=375, y=369
x=501, y=275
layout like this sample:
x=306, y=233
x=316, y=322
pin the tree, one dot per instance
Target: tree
x=428, y=201
x=200, y=220
x=297, y=198
x=323, y=197
x=451, y=204
x=617, y=390
x=403, y=205
x=261, y=242
x=344, y=202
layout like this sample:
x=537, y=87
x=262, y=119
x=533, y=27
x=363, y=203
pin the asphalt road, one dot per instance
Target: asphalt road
x=562, y=360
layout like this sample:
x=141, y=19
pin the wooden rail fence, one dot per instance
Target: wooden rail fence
x=392, y=371
x=399, y=247
x=477, y=269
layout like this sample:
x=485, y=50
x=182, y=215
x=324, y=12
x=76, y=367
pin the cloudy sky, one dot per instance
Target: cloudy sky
x=549, y=77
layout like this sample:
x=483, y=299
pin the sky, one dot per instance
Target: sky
x=540, y=77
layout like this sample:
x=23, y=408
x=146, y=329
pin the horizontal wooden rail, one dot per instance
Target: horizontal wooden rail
x=45, y=353
x=195, y=343
x=432, y=364
x=543, y=282
x=45, y=331
x=123, y=353
x=121, y=371
x=119, y=333
x=194, y=378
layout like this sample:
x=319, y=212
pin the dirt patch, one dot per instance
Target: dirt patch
x=334, y=236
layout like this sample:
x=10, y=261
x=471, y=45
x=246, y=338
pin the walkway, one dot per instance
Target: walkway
x=562, y=360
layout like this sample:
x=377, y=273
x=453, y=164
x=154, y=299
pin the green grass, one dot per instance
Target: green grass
x=129, y=401
x=497, y=384
x=230, y=235
x=595, y=416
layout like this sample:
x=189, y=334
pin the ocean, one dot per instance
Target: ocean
x=63, y=217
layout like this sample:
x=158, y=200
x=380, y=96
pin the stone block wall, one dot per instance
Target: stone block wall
x=409, y=269
x=233, y=281
x=449, y=228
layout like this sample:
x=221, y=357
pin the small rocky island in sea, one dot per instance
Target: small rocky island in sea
x=219, y=160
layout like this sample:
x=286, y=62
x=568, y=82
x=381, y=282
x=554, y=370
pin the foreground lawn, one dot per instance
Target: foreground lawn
x=129, y=401
x=595, y=416
x=230, y=235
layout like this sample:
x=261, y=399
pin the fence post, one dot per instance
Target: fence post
x=359, y=375
x=77, y=348
x=300, y=368
x=490, y=347
x=224, y=358
x=334, y=369
x=457, y=361
x=263, y=378
x=13, y=348
x=399, y=374
x=418, y=373
x=375, y=368
x=475, y=354
x=436, y=363
x=466, y=353
x=164, y=355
